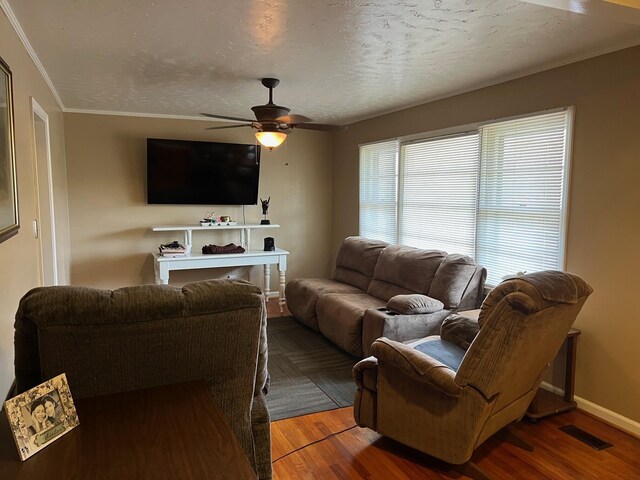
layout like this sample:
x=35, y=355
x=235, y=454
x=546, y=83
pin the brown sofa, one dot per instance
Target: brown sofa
x=109, y=341
x=385, y=290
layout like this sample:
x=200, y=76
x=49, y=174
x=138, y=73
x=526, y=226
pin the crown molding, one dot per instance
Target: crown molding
x=145, y=115
x=32, y=53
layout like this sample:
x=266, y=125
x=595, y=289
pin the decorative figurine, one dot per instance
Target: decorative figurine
x=265, y=208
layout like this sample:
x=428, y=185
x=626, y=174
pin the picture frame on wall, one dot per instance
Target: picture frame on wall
x=9, y=221
x=41, y=415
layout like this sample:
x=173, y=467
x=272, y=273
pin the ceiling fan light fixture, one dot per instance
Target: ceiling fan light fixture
x=269, y=139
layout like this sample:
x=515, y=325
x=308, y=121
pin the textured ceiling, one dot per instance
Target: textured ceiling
x=338, y=61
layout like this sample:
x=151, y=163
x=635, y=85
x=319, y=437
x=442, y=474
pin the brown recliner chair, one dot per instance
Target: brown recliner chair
x=444, y=400
x=109, y=341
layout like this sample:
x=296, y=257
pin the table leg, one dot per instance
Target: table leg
x=267, y=282
x=570, y=372
x=161, y=273
x=281, y=299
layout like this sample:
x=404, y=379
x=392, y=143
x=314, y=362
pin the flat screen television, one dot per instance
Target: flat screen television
x=186, y=172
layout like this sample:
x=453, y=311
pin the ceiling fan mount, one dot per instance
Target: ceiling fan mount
x=270, y=111
x=270, y=83
x=273, y=118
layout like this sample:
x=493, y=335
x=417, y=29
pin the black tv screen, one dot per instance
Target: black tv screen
x=202, y=173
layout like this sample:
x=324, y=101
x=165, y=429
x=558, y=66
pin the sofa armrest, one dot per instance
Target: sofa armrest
x=416, y=365
x=459, y=330
x=385, y=323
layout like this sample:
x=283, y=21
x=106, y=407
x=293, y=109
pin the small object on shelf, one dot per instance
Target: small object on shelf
x=265, y=209
x=217, y=249
x=269, y=244
x=205, y=223
x=173, y=249
x=209, y=219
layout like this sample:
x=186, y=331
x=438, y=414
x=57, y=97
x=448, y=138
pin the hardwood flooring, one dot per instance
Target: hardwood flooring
x=345, y=451
x=329, y=445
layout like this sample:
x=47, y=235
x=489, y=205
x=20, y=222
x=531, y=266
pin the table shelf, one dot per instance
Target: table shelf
x=245, y=231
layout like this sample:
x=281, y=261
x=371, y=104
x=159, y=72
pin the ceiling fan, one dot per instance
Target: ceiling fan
x=273, y=122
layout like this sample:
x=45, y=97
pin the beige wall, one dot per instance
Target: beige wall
x=19, y=255
x=604, y=222
x=110, y=237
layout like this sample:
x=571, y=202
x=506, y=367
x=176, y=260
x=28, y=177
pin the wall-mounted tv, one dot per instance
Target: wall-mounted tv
x=202, y=173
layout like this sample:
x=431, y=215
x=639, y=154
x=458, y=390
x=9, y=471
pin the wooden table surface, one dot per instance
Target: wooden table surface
x=175, y=431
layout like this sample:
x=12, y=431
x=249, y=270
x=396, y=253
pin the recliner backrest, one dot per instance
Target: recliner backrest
x=523, y=323
x=403, y=270
x=458, y=282
x=109, y=341
x=357, y=259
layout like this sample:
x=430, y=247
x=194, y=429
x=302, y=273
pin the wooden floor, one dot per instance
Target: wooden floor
x=328, y=445
x=344, y=451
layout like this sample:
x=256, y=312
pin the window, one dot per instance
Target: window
x=439, y=193
x=379, y=191
x=497, y=193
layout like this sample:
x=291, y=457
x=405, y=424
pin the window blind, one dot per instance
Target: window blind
x=379, y=191
x=438, y=193
x=520, y=220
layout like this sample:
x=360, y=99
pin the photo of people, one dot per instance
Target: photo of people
x=53, y=407
x=39, y=420
x=41, y=415
x=45, y=412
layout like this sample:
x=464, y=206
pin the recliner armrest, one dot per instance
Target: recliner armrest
x=365, y=373
x=417, y=365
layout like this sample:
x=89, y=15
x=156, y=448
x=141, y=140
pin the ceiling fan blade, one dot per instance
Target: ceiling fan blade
x=321, y=126
x=293, y=119
x=229, y=126
x=224, y=117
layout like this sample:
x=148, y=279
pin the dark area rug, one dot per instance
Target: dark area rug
x=308, y=373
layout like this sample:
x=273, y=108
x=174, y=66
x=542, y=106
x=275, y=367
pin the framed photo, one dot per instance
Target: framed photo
x=9, y=223
x=41, y=415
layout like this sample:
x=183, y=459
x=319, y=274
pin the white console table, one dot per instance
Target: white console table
x=197, y=260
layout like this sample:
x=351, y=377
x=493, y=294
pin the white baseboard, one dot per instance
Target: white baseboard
x=273, y=295
x=612, y=418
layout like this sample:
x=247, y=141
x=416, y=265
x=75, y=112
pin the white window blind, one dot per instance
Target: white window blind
x=520, y=223
x=379, y=191
x=438, y=193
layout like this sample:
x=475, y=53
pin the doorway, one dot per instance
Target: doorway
x=44, y=223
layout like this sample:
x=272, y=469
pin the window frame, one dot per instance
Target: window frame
x=470, y=128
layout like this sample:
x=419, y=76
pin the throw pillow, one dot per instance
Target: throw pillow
x=414, y=304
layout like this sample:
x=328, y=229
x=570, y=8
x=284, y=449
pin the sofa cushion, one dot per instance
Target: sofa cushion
x=446, y=353
x=302, y=295
x=452, y=279
x=340, y=318
x=414, y=304
x=357, y=260
x=459, y=330
x=404, y=270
